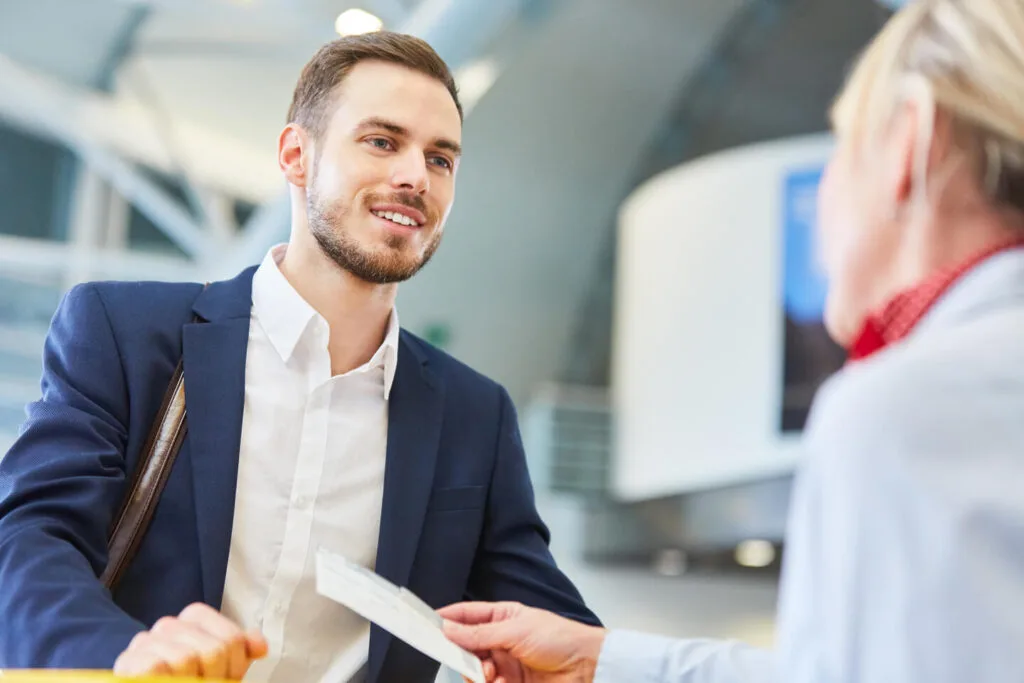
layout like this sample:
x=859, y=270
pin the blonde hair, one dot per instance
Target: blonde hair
x=961, y=57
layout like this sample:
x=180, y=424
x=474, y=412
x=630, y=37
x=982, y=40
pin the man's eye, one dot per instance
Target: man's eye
x=380, y=143
x=441, y=162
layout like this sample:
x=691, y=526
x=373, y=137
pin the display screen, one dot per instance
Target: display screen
x=810, y=355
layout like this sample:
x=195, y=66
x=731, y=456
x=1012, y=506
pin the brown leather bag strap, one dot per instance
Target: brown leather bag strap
x=154, y=467
x=157, y=457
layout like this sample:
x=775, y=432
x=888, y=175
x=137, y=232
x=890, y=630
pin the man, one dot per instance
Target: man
x=905, y=546
x=313, y=421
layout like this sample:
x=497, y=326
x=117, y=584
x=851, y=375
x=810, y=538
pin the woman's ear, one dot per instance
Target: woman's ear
x=901, y=153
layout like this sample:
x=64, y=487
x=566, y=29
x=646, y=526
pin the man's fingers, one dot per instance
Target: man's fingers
x=179, y=658
x=239, y=648
x=256, y=645
x=198, y=642
x=139, y=663
x=211, y=621
x=237, y=662
x=211, y=653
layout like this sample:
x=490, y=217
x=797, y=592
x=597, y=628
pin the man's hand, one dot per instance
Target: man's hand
x=200, y=642
x=524, y=645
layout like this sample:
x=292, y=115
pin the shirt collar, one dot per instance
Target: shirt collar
x=285, y=316
x=901, y=314
x=388, y=353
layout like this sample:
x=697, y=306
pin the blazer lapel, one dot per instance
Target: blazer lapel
x=214, y=366
x=415, y=414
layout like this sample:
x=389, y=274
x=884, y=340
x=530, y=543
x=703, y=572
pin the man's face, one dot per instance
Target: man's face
x=383, y=180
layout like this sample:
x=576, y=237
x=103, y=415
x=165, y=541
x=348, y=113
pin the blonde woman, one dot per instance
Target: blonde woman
x=905, y=554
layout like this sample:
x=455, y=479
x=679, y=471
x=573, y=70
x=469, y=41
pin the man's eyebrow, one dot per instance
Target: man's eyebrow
x=449, y=145
x=375, y=122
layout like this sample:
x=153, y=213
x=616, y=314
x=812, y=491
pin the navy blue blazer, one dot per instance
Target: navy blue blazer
x=458, y=519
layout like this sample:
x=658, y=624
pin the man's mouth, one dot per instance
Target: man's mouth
x=397, y=217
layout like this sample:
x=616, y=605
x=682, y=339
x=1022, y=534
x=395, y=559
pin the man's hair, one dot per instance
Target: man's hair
x=316, y=90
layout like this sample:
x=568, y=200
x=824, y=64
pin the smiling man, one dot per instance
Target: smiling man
x=314, y=421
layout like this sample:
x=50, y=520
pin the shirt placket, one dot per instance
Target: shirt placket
x=302, y=500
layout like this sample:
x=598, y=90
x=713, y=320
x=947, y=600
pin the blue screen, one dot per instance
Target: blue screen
x=803, y=281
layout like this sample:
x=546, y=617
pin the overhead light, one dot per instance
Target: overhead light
x=355, y=21
x=755, y=553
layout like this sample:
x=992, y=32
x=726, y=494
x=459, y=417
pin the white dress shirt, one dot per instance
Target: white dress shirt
x=905, y=546
x=310, y=474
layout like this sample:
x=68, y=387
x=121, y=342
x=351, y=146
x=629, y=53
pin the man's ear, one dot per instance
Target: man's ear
x=295, y=154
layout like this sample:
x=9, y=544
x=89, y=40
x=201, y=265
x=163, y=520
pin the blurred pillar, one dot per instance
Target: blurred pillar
x=87, y=224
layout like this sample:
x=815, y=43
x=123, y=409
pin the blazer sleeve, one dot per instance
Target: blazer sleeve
x=514, y=562
x=60, y=484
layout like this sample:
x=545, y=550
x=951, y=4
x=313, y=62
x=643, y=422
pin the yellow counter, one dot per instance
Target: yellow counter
x=92, y=676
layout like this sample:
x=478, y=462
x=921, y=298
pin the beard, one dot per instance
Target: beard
x=384, y=265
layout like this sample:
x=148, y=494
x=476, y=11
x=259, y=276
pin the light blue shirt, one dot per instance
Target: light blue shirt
x=905, y=546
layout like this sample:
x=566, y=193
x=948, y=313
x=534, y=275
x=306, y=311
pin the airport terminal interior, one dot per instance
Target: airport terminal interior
x=630, y=253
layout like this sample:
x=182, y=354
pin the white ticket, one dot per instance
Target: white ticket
x=394, y=609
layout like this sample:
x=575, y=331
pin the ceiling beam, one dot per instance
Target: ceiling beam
x=86, y=121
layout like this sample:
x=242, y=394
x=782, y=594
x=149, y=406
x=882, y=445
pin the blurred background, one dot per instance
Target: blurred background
x=631, y=250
